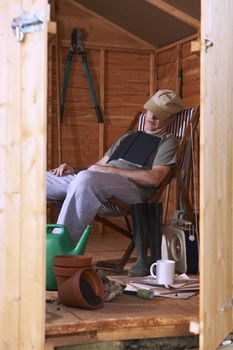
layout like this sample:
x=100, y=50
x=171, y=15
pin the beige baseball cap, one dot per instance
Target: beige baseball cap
x=164, y=103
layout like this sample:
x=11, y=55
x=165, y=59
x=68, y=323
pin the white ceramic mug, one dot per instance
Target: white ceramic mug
x=165, y=271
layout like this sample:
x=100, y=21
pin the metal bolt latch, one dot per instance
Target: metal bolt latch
x=208, y=43
x=27, y=23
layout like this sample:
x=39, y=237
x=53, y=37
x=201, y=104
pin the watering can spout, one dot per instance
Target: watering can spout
x=82, y=243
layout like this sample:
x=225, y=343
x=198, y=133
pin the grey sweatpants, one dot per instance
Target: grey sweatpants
x=84, y=194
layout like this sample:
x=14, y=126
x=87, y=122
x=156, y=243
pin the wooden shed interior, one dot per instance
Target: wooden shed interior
x=134, y=48
x=126, y=69
x=129, y=60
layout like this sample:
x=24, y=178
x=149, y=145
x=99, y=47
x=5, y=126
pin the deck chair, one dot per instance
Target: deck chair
x=183, y=126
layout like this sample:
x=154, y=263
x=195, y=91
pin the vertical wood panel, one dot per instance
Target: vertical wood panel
x=156, y=72
x=216, y=173
x=152, y=74
x=169, y=61
x=10, y=292
x=102, y=89
x=167, y=69
x=58, y=94
x=127, y=82
x=50, y=97
x=22, y=188
x=179, y=71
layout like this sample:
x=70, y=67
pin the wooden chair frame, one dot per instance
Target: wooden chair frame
x=175, y=172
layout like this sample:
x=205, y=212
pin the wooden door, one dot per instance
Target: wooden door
x=216, y=172
x=23, y=71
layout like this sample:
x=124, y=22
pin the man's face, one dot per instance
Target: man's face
x=153, y=124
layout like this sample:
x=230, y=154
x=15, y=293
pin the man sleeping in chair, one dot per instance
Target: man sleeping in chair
x=129, y=171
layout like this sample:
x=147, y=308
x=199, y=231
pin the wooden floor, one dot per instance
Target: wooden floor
x=126, y=317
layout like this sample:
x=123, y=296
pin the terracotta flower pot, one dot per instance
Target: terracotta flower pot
x=62, y=273
x=84, y=289
x=72, y=261
x=66, y=265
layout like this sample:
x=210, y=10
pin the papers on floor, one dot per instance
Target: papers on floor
x=183, y=287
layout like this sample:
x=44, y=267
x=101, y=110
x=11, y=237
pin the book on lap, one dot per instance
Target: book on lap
x=136, y=148
x=124, y=146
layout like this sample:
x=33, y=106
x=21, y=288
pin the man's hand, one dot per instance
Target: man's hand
x=100, y=164
x=98, y=167
x=63, y=169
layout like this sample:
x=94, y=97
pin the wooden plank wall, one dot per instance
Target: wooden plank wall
x=23, y=67
x=169, y=60
x=125, y=72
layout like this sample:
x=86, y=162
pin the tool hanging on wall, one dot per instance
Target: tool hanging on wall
x=77, y=47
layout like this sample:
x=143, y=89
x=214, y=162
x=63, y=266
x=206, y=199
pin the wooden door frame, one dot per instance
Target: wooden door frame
x=23, y=123
x=216, y=197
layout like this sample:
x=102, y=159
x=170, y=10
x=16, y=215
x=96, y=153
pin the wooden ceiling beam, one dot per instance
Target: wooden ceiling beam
x=173, y=11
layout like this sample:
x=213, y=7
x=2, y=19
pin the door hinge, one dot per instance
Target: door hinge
x=27, y=23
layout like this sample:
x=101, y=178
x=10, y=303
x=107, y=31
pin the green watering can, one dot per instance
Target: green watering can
x=61, y=244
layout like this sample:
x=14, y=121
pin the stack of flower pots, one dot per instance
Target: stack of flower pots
x=79, y=285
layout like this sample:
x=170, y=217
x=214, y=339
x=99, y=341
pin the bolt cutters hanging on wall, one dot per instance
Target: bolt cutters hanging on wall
x=77, y=47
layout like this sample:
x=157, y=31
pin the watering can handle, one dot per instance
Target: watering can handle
x=50, y=227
